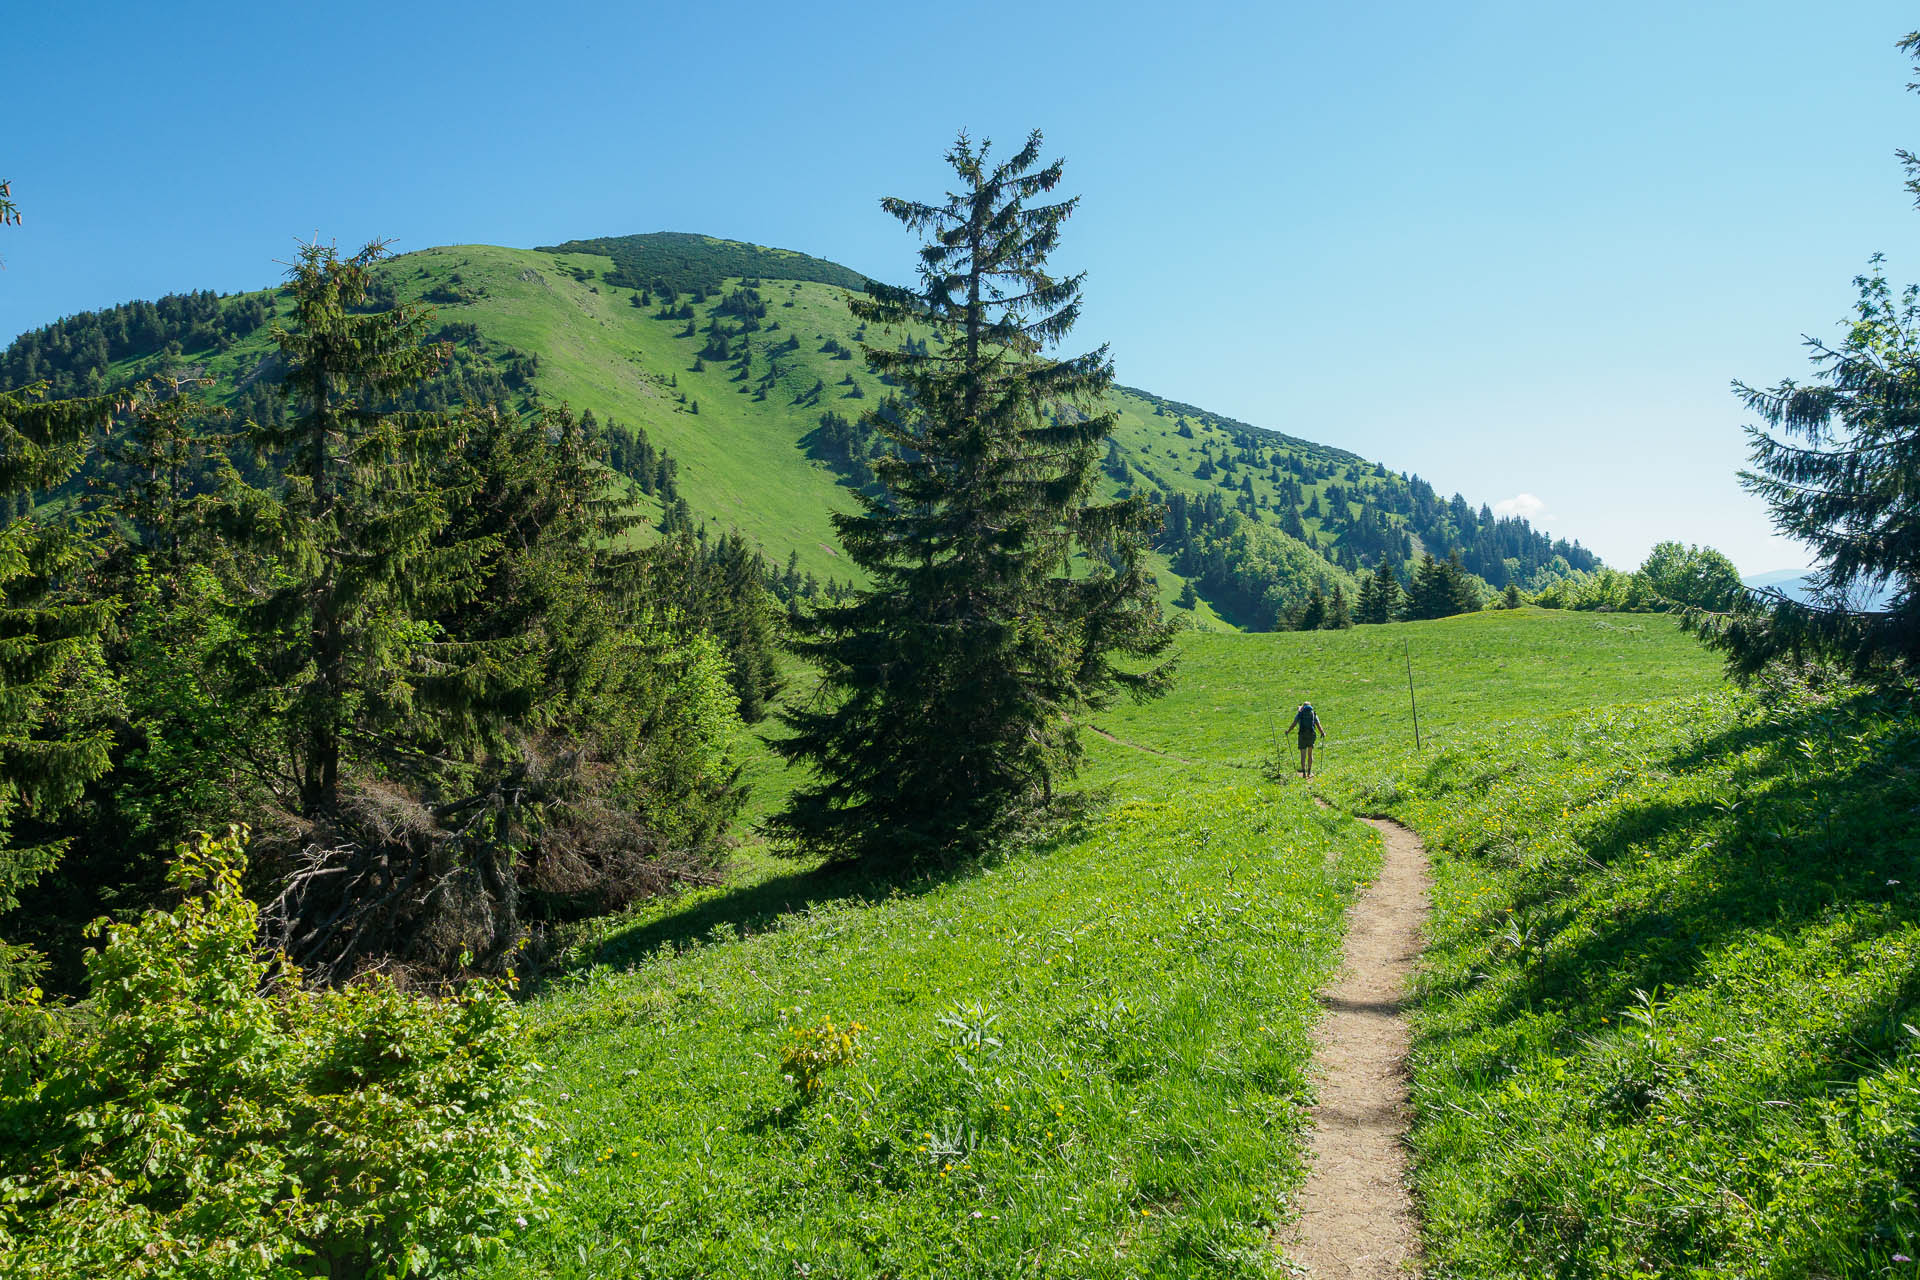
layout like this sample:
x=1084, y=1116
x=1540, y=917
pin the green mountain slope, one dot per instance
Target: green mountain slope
x=752, y=385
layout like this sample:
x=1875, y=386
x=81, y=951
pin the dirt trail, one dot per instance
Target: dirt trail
x=1357, y=1217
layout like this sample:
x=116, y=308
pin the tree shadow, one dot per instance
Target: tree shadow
x=760, y=906
x=740, y=911
x=1802, y=829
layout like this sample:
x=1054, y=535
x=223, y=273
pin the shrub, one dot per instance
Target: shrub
x=203, y=1115
x=810, y=1052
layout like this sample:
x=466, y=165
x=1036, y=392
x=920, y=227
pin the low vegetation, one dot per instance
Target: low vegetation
x=203, y=1114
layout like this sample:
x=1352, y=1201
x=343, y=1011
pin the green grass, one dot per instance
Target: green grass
x=1148, y=979
x=1088, y=1060
x=1236, y=693
x=1666, y=1020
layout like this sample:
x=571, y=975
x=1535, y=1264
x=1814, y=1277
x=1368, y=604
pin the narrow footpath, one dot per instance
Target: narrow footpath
x=1357, y=1218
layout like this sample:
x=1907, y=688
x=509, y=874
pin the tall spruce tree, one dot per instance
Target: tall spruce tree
x=954, y=686
x=1364, y=606
x=1440, y=589
x=1379, y=596
x=1840, y=476
x=1313, y=614
x=354, y=562
x=1339, y=612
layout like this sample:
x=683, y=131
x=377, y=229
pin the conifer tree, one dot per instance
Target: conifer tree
x=1841, y=477
x=48, y=629
x=1431, y=594
x=1441, y=589
x=1462, y=595
x=1313, y=614
x=153, y=462
x=956, y=684
x=351, y=543
x=1339, y=612
x=1365, y=606
x=1380, y=596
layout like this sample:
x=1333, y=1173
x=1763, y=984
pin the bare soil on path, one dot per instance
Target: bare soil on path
x=1357, y=1217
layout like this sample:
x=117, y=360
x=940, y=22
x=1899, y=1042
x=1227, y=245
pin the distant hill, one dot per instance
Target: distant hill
x=728, y=381
x=1788, y=582
x=1796, y=584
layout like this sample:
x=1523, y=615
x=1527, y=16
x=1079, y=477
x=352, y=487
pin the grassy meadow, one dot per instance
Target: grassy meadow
x=1089, y=1060
x=1085, y=1059
x=1515, y=669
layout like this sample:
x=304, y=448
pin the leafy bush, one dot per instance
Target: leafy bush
x=811, y=1052
x=202, y=1115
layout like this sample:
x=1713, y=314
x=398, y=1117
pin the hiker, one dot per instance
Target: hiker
x=1308, y=724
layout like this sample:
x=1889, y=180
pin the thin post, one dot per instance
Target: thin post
x=1411, y=700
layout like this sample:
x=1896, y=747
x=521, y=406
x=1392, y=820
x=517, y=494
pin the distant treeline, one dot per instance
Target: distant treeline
x=72, y=355
x=674, y=262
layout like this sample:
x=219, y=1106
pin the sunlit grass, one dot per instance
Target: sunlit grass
x=1086, y=1060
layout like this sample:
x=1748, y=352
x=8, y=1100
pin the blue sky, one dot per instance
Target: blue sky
x=1518, y=249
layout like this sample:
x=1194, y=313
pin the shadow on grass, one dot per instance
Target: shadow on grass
x=744, y=910
x=1816, y=815
x=747, y=909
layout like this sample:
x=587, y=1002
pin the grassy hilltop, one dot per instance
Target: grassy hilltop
x=763, y=437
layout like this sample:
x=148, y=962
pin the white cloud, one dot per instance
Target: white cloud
x=1524, y=505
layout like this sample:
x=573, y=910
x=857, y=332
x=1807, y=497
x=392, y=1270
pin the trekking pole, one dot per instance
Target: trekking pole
x=1411, y=700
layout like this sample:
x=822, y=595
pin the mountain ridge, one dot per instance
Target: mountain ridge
x=750, y=386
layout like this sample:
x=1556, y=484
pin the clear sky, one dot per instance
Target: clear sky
x=1517, y=248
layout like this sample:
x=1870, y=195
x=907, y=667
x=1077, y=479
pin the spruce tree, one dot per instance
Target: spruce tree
x=1313, y=614
x=353, y=565
x=154, y=463
x=1380, y=596
x=1369, y=602
x=1462, y=595
x=1339, y=613
x=47, y=629
x=1430, y=595
x=1840, y=477
x=957, y=683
